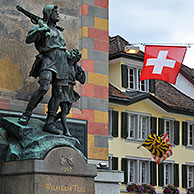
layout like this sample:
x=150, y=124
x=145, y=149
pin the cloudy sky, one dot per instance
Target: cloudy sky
x=153, y=21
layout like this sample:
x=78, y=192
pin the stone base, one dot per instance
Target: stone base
x=62, y=171
x=108, y=181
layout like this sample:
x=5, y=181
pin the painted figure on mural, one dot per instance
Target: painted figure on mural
x=53, y=65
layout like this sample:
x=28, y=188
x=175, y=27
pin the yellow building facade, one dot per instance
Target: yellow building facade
x=138, y=108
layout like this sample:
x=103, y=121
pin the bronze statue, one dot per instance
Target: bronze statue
x=53, y=65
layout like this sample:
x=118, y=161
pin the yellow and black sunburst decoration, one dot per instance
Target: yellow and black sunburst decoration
x=156, y=145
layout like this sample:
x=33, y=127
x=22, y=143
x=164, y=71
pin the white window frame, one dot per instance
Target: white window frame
x=190, y=166
x=144, y=127
x=142, y=83
x=130, y=124
x=170, y=165
x=170, y=128
x=137, y=170
x=133, y=77
x=141, y=162
x=189, y=135
x=137, y=85
x=138, y=132
x=132, y=168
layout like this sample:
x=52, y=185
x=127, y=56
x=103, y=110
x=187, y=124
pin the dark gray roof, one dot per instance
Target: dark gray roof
x=117, y=49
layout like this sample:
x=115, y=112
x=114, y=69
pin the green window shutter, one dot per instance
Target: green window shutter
x=153, y=174
x=184, y=176
x=161, y=126
x=176, y=132
x=114, y=163
x=124, y=74
x=124, y=124
x=152, y=85
x=184, y=133
x=176, y=175
x=115, y=123
x=124, y=167
x=153, y=124
x=161, y=174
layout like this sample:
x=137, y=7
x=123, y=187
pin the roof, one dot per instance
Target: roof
x=115, y=92
x=166, y=96
x=117, y=49
x=188, y=73
x=116, y=96
x=172, y=97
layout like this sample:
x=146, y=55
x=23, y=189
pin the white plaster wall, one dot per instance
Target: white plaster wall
x=184, y=86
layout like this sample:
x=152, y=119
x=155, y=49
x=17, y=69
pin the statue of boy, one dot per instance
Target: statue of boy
x=54, y=64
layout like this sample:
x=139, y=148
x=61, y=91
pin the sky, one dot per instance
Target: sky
x=164, y=22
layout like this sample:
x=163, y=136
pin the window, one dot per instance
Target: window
x=138, y=126
x=169, y=129
x=132, y=125
x=133, y=80
x=191, y=134
x=168, y=174
x=143, y=85
x=143, y=127
x=132, y=173
x=190, y=176
x=143, y=166
x=138, y=171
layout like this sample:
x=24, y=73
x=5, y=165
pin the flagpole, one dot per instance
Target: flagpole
x=139, y=146
x=188, y=45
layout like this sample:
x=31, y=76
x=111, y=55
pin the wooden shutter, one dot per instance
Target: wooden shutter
x=152, y=86
x=184, y=176
x=153, y=124
x=184, y=133
x=115, y=123
x=176, y=175
x=124, y=74
x=161, y=174
x=124, y=167
x=161, y=126
x=176, y=132
x=124, y=124
x=114, y=163
x=153, y=174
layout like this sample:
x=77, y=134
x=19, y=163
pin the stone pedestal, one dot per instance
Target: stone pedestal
x=108, y=181
x=63, y=170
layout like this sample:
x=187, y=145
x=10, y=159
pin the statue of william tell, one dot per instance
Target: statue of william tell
x=55, y=66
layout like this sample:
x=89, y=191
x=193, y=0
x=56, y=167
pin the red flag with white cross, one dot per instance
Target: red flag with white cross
x=162, y=62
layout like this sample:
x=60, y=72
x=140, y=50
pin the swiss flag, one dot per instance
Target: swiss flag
x=162, y=62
